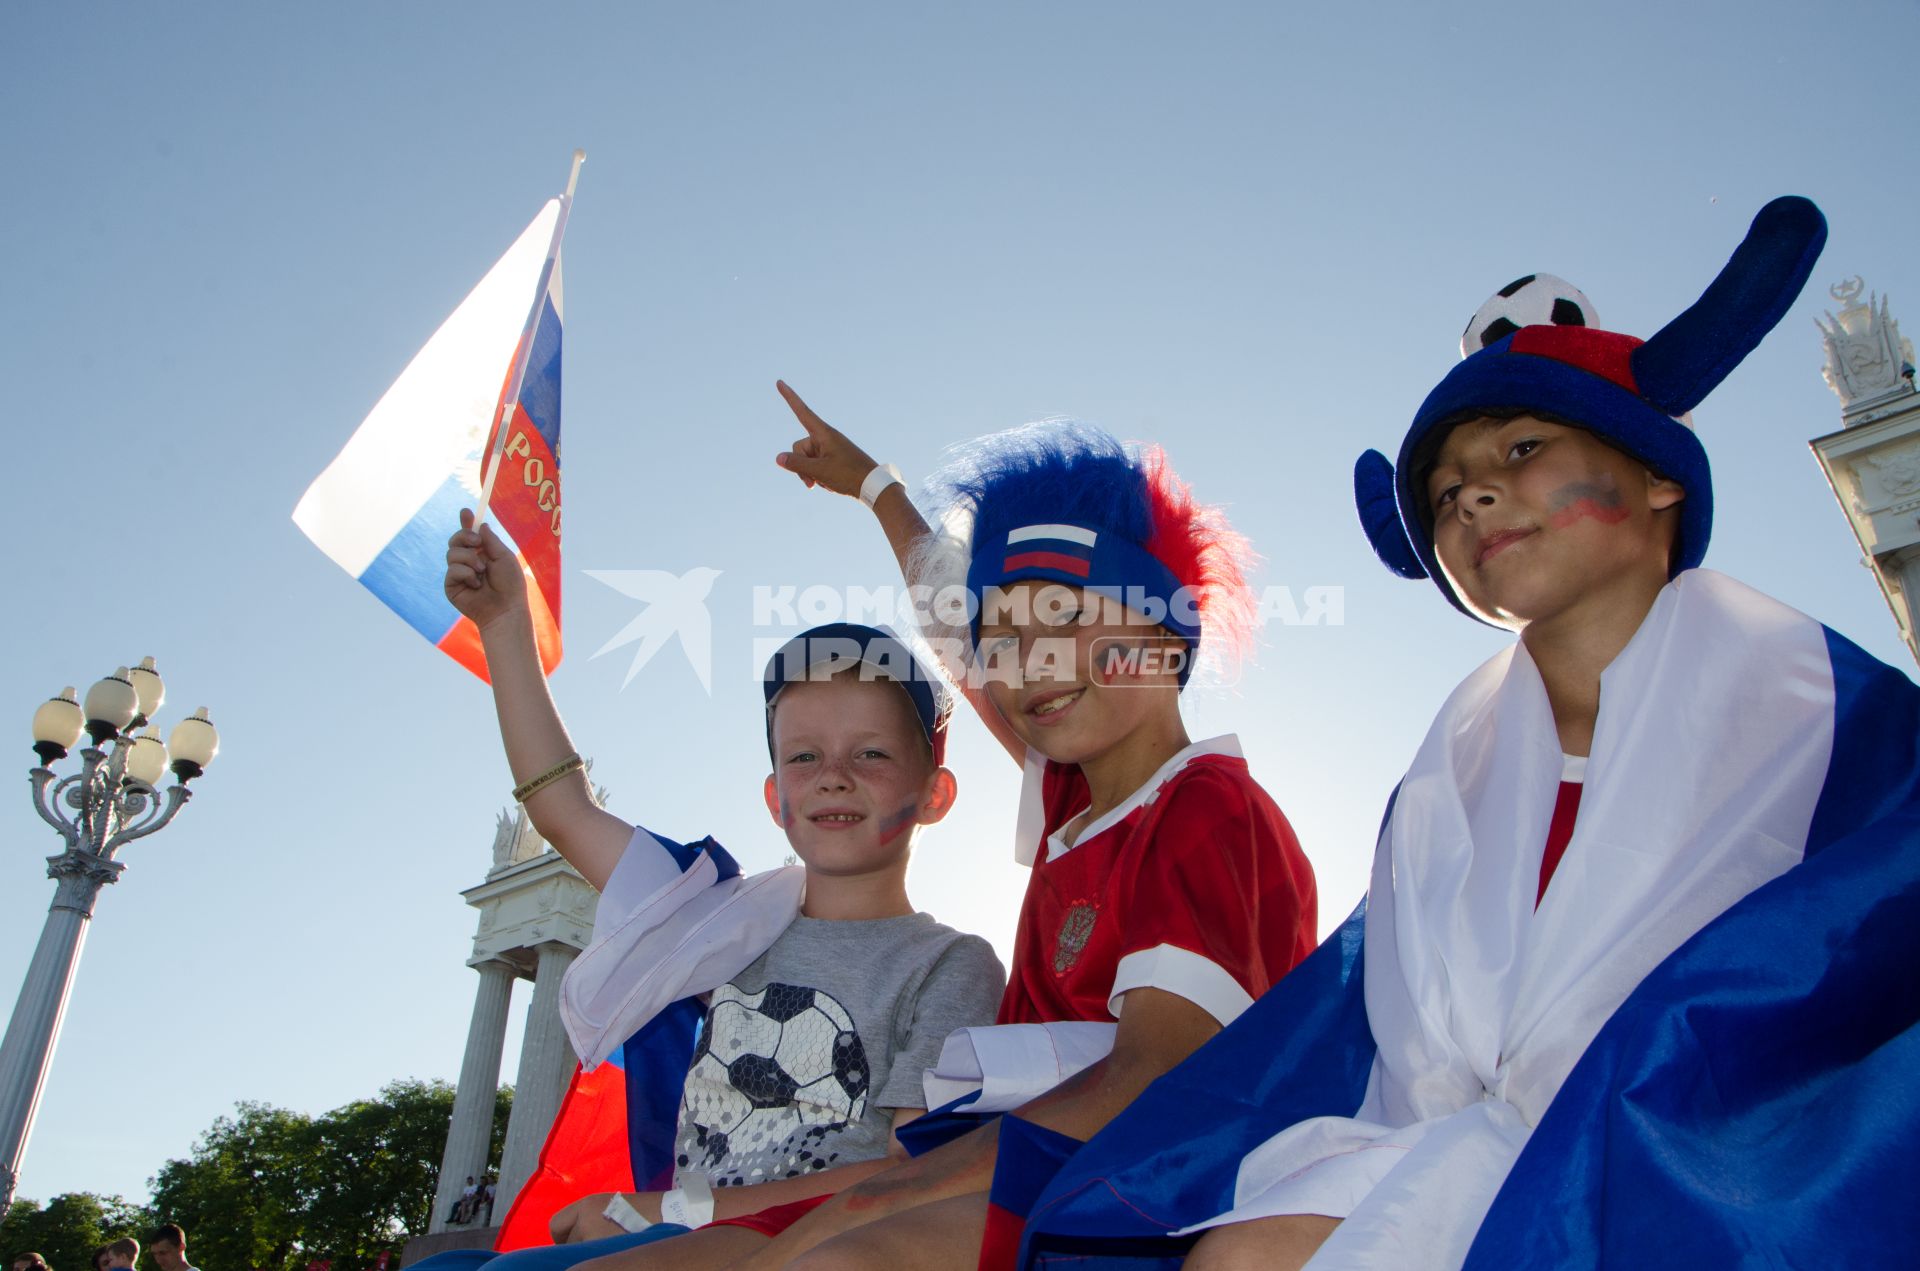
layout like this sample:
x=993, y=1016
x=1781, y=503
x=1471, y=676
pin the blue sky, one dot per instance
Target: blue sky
x=1251, y=232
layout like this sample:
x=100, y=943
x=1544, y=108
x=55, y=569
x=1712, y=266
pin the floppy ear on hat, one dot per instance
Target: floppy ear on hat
x=1373, y=494
x=1688, y=357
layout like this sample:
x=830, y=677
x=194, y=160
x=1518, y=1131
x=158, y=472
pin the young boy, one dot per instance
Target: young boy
x=850, y=990
x=1536, y=1077
x=1167, y=890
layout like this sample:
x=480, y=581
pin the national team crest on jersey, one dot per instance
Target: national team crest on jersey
x=775, y=1074
x=1075, y=930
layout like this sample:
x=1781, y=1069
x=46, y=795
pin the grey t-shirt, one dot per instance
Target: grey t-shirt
x=806, y=1053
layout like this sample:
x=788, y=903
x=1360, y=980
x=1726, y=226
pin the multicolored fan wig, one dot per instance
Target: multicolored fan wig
x=1063, y=501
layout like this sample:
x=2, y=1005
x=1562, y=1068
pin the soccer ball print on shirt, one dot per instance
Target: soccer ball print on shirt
x=775, y=1075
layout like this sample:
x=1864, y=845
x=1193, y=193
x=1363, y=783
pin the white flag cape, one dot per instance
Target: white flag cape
x=1480, y=1004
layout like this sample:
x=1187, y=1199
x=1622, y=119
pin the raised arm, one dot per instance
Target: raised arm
x=485, y=582
x=827, y=459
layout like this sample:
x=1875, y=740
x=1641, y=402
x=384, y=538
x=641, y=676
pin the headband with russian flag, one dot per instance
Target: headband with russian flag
x=1063, y=501
x=1106, y=564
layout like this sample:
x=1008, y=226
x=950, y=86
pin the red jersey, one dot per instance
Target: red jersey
x=1194, y=884
x=1566, y=809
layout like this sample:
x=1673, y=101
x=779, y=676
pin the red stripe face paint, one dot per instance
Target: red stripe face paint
x=894, y=824
x=1582, y=500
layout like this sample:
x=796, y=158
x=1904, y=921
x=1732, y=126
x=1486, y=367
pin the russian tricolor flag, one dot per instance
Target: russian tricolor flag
x=1067, y=548
x=615, y=1128
x=473, y=420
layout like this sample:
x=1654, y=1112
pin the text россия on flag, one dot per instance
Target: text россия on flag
x=483, y=393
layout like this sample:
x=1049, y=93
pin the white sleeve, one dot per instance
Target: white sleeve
x=1184, y=973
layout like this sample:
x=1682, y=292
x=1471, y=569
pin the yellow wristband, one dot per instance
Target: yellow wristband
x=572, y=763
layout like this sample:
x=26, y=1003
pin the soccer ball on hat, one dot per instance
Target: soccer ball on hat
x=1536, y=300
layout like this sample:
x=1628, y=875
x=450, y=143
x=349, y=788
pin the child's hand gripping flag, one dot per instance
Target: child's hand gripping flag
x=474, y=419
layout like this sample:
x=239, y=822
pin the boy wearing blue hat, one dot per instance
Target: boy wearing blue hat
x=1631, y=926
x=1166, y=892
x=824, y=994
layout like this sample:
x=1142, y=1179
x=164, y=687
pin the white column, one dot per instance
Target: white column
x=546, y=1062
x=470, y=1131
x=27, y=1051
x=1905, y=568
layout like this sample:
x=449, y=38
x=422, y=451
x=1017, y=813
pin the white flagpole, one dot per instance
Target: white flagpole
x=490, y=463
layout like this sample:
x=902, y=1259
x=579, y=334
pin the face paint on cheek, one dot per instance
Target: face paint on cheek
x=1118, y=659
x=894, y=824
x=1584, y=500
x=786, y=811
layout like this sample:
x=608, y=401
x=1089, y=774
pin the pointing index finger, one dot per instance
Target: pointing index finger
x=815, y=426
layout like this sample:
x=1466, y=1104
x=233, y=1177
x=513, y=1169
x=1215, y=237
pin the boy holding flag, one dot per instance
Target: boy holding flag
x=830, y=961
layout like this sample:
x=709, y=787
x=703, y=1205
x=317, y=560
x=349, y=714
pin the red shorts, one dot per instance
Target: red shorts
x=772, y=1221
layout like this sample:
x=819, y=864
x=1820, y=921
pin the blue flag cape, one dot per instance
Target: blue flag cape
x=657, y=1056
x=1753, y=1101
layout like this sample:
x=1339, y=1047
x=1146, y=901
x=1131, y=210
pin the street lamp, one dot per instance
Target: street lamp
x=114, y=799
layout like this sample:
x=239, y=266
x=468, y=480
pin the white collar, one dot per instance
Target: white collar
x=1032, y=822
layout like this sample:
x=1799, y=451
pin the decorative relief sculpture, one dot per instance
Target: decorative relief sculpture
x=1866, y=354
x=515, y=840
x=1898, y=470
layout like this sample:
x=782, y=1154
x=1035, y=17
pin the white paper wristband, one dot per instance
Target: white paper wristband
x=689, y=1205
x=877, y=481
x=699, y=1194
x=621, y=1213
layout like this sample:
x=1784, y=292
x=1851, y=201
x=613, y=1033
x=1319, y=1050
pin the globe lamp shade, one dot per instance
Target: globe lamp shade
x=193, y=745
x=147, y=760
x=110, y=706
x=57, y=726
x=149, y=688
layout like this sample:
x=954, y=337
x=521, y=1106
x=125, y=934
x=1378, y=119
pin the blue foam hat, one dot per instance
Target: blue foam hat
x=1628, y=391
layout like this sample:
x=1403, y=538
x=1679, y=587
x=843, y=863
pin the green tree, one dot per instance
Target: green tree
x=68, y=1228
x=272, y=1190
x=239, y=1195
x=373, y=1165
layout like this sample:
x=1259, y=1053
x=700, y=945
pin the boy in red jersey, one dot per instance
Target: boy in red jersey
x=1167, y=890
